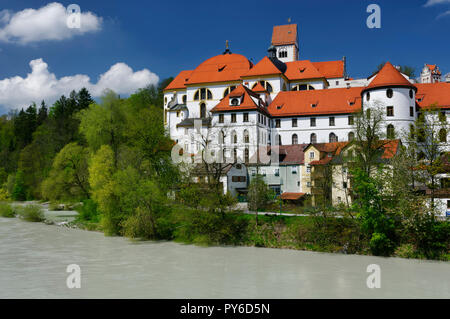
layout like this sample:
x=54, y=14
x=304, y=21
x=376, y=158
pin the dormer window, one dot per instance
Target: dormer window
x=313, y=104
x=235, y=101
x=221, y=68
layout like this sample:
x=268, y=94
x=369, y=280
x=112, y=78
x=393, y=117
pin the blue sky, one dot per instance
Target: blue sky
x=164, y=37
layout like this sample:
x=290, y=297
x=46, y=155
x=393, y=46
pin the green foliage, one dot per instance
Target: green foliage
x=88, y=211
x=69, y=176
x=6, y=210
x=259, y=194
x=430, y=236
x=30, y=213
x=19, y=191
x=376, y=223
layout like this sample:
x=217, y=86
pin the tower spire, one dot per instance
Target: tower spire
x=227, y=48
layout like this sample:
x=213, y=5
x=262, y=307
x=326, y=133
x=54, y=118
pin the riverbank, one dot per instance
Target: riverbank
x=306, y=233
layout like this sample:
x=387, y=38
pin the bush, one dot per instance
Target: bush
x=31, y=213
x=6, y=210
x=88, y=211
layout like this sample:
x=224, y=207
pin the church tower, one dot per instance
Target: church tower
x=285, y=40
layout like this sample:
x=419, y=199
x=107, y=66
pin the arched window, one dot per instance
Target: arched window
x=266, y=85
x=389, y=93
x=313, y=138
x=284, y=87
x=390, y=131
x=202, y=94
x=246, y=155
x=203, y=110
x=294, y=139
x=278, y=139
x=246, y=137
x=443, y=135
x=351, y=136
x=411, y=94
x=235, y=155
x=234, y=136
x=282, y=53
x=302, y=87
x=368, y=96
x=184, y=99
x=228, y=90
x=333, y=138
x=221, y=138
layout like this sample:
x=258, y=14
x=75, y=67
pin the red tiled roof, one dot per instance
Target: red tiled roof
x=292, y=196
x=248, y=101
x=330, y=69
x=389, y=76
x=284, y=34
x=430, y=94
x=300, y=70
x=258, y=88
x=263, y=67
x=329, y=101
x=390, y=149
x=221, y=68
x=179, y=82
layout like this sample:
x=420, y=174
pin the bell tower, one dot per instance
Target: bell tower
x=285, y=41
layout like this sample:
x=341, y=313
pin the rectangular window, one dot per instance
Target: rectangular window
x=245, y=117
x=308, y=169
x=221, y=118
x=344, y=184
x=278, y=123
x=294, y=122
x=448, y=203
x=277, y=172
x=411, y=111
x=390, y=111
x=233, y=118
x=294, y=170
x=311, y=155
x=351, y=121
x=313, y=122
x=332, y=121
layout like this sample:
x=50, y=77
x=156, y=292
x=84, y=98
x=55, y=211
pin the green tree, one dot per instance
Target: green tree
x=259, y=195
x=68, y=178
x=19, y=191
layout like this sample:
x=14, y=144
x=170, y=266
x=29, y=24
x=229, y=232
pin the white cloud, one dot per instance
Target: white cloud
x=434, y=2
x=40, y=84
x=48, y=23
x=444, y=14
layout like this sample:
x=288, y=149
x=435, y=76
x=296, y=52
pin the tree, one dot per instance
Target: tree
x=105, y=124
x=19, y=191
x=68, y=178
x=259, y=195
x=425, y=141
x=368, y=138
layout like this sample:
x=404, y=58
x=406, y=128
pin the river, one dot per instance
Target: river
x=34, y=258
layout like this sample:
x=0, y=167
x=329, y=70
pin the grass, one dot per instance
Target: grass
x=7, y=211
x=31, y=213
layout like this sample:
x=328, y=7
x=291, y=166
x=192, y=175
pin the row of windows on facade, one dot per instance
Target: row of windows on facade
x=262, y=119
x=312, y=123
x=390, y=94
x=206, y=94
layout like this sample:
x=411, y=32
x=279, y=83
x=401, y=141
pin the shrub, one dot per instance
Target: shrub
x=6, y=210
x=88, y=211
x=31, y=213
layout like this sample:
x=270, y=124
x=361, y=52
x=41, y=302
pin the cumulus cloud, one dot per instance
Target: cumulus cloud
x=48, y=23
x=434, y=2
x=41, y=84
